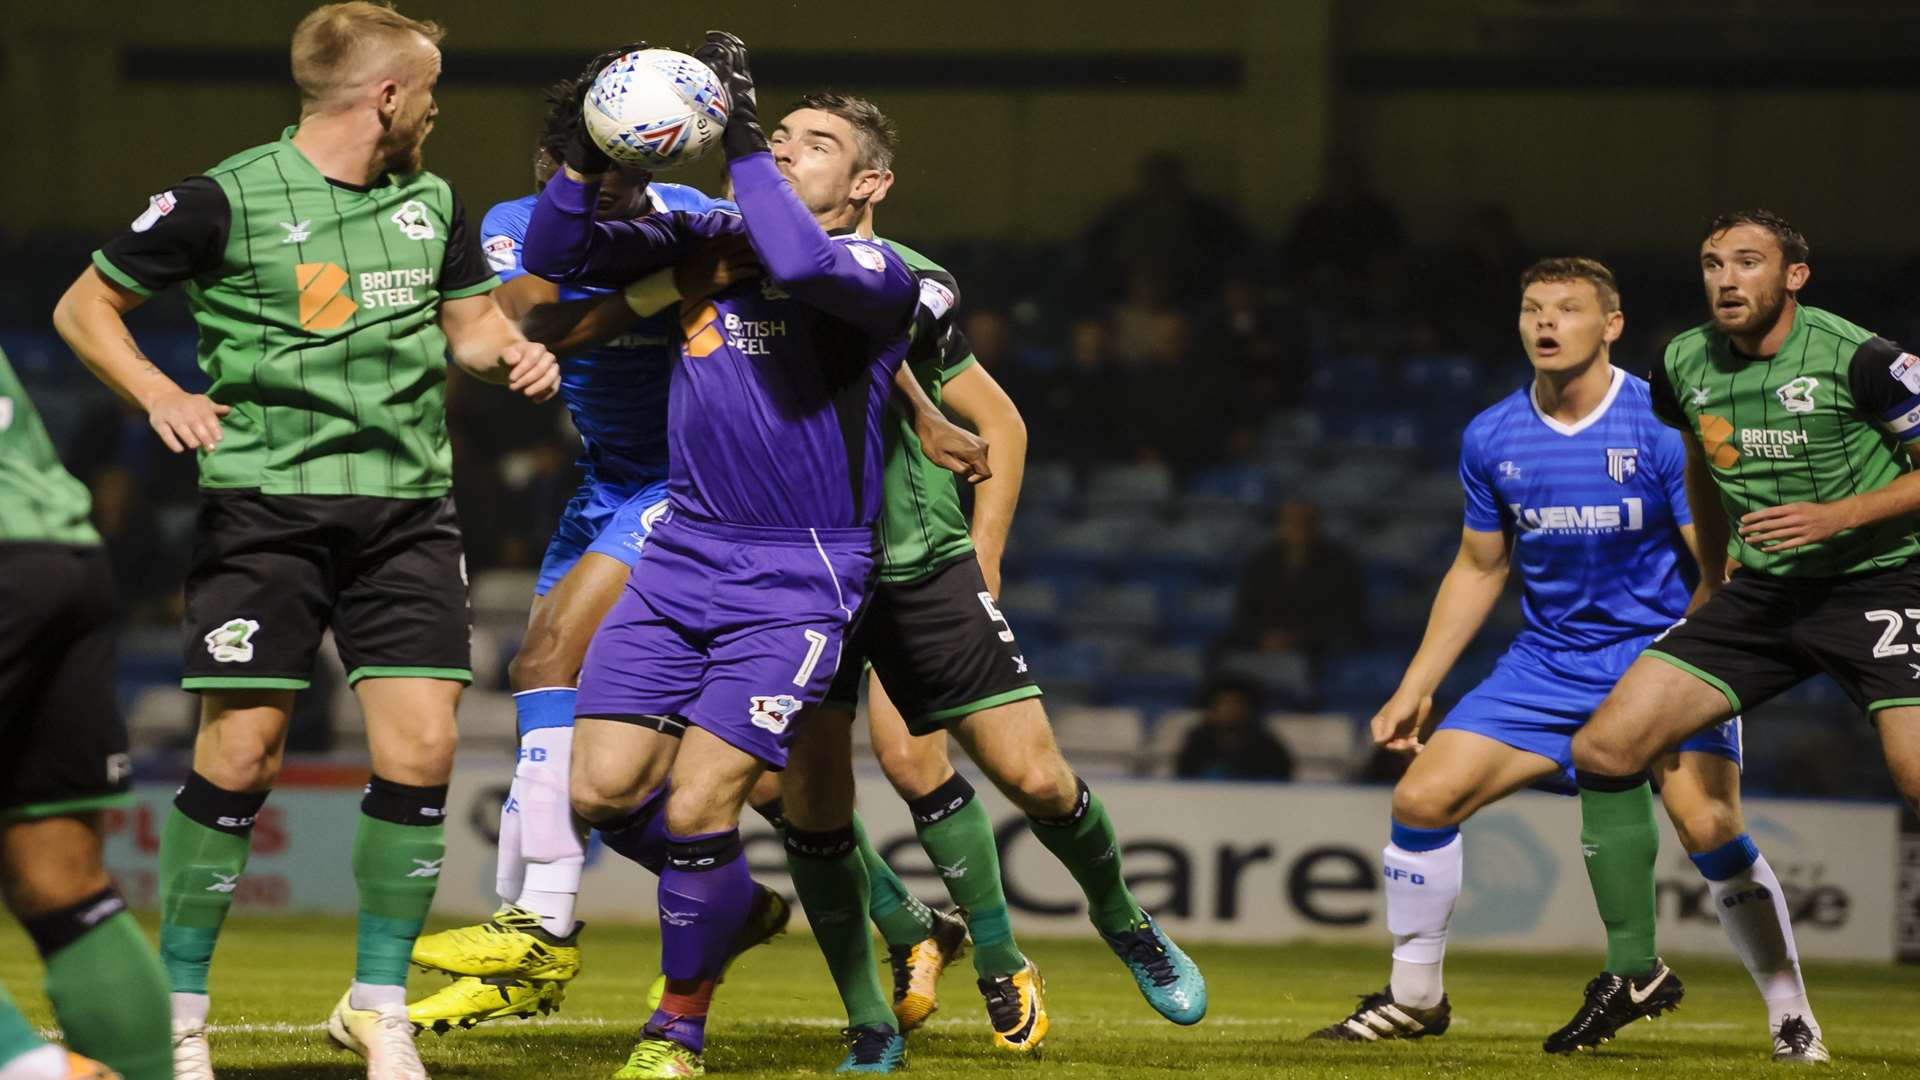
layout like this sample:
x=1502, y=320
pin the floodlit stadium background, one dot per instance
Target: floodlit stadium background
x=1247, y=270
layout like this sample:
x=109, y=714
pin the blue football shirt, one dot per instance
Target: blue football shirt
x=617, y=393
x=1593, y=509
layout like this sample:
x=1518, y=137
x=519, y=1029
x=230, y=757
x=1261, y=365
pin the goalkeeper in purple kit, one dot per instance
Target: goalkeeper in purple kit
x=730, y=629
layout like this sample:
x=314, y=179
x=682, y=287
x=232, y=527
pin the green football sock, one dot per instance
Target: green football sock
x=903, y=920
x=203, y=851
x=1086, y=844
x=110, y=996
x=397, y=851
x=16, y=1035
x=830, y=878
x=1621, y=840
x=958, y=836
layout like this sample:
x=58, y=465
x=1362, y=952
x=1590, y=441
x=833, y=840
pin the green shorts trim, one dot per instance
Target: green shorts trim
x=66, y=807
x=941, y=717
x=1733, y=699
x=1891, y=703
x=462, y=676
x=242, y=682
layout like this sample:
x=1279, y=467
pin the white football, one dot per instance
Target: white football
x=656, y=109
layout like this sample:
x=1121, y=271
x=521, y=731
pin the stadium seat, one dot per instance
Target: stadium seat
x=1285, y=677
x=1325, y=746
x=1114, y=609
x=1146, y=487
x=502, y=596
x=161, y=716
x=1105, y=738
x=1161, y=751
x=1048, y=487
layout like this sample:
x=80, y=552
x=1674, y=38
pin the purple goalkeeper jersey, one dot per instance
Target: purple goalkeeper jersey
x=774, y=417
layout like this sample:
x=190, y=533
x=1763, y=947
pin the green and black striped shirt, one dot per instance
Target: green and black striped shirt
x=318, y=306
x=40, y=501
x=1828, y=416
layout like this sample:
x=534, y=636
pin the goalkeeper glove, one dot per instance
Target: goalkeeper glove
x=727, y=56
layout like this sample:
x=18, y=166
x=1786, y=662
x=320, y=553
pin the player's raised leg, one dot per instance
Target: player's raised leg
x=1457, y=773
x=1701, y=790
x=830, y=877
x=1656, y=706
x=518, y=962
x=957, y=836
x=1014, y=745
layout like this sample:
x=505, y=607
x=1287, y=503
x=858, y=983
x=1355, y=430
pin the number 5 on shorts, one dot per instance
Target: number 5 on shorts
x=816, y=644
x=993, y=613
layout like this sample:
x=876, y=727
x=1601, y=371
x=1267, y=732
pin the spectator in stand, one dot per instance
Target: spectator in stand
x=1341, y=233
x=1162, y=223
x=1301, y=591
x=1230, y=742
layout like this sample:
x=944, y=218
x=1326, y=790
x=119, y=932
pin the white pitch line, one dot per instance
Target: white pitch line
x=562, y=1023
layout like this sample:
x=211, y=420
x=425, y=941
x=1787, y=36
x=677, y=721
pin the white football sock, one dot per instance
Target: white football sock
x=377, y=996
x=552, y=843
x=189, y=1009
x=1753, y=910
x=40, y=1063
x=1422, y=887
x=509, y=865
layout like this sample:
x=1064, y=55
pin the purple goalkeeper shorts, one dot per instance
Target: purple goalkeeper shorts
x=737, y=629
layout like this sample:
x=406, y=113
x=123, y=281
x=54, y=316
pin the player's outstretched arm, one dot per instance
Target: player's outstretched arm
x=565, y=243
x=91, y=319
x=1467, y=595
x=977, y=399
x=490, y=347
x=857, y=281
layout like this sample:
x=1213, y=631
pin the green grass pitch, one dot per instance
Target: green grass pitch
x=274, y=981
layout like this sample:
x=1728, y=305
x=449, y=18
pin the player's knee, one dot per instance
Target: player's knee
x=425, y=757
x=247, y=762
x=596, y=801
x=1707, y=827
x=40, y=875
x=1423, y=805
x=913, y=766
x=689, y=813
x=1595, y=750
x=1043, y=789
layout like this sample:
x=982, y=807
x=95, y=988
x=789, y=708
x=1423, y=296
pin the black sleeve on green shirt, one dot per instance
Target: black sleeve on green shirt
x=1666, y=406
x=1884, y=379
x=955, y=350
x=463, y=265
x=181, y=235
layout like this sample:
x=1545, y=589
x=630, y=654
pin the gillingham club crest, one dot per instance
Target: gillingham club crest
x=1622, y=462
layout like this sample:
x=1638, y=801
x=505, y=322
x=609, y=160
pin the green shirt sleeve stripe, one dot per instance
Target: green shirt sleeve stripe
x=117, y=275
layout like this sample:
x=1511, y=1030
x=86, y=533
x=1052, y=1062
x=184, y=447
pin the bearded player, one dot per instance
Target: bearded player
x=1572, y=480
x=1802, y=432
